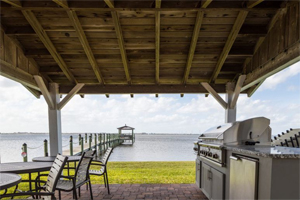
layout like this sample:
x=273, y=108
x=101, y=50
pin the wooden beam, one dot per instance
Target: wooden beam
x=9, y=71
x=131, y=95
x=253, y=89
x=205, y=3
x=193, y=45
x=278, y=63
x=142, y=89
x=62, y=3
x=181, y=95
x=231, y=38
x=110, y=3
x=157, y=41
x=81, y=95
x=214, y=94
x=107, y=95
x=156, y=95
x=35, y=93
x=48, y=44
x=40, y=82
x=85, y=44
x=252, y=3
x=70, y=95
x=237, y=91
x=121, y=45
x=157, y=3
x=15, y=3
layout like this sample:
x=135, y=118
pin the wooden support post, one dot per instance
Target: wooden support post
x=45, y=148
x=55, y=122
x=230, y=113
x=237, y=91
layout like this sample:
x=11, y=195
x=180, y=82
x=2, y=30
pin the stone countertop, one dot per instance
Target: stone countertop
x=266, y=151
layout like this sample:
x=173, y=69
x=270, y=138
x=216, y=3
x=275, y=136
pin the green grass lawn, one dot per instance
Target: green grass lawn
x=141, y=172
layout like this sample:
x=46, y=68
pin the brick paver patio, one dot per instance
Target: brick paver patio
x=141, y=191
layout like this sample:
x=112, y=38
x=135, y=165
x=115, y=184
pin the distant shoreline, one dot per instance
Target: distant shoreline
x=109, y=133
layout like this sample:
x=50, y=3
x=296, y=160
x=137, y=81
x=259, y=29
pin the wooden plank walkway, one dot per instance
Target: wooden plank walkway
x=141, y=191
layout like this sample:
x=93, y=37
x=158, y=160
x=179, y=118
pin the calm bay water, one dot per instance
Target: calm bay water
x=154, y=147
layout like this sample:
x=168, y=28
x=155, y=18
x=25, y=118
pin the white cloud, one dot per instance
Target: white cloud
x=273, y=81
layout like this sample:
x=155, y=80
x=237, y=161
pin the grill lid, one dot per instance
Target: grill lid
x=215, y=132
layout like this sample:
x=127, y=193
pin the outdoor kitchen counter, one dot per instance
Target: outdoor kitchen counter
x=266, y=151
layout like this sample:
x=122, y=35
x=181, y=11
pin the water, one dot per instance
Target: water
x=153, y=147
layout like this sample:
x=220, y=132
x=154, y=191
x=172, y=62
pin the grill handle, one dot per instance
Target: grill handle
x=234, y=158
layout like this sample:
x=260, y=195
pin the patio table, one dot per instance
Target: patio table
x=25, y=167
x=51, y=159
x=8, y=180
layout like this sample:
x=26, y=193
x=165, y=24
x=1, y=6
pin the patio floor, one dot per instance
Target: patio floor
x=141, y=191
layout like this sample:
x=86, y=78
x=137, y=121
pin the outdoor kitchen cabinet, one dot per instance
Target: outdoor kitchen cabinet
x=212, y=182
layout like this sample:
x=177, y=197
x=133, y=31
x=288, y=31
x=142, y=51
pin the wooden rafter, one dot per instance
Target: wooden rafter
x=237, y=91
x=193, y=45
x=253, y=89
x=252, y=3
x=214, y=94
x=121, y=44
x=15, y=3
x=62, y=3
x=86, y=46
x=110, y=3
x=231, y=38
x=157, y=40
x=205, y=3
x=48, y=43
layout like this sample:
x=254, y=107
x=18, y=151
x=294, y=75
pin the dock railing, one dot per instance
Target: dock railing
x=98, y=141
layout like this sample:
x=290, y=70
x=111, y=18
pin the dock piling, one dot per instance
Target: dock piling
x=45, y=148
x=24, y=152
x=71, y=145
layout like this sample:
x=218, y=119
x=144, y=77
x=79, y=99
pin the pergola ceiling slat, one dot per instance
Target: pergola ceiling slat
x=157, y=40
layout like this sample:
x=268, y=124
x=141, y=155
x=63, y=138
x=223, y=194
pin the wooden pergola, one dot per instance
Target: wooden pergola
x=127, y=136
x=141, y=47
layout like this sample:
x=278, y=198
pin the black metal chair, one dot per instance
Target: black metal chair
x=51, y=183
x=103, y=167
x=80, y=177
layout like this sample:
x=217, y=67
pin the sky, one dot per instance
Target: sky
x=278, y=99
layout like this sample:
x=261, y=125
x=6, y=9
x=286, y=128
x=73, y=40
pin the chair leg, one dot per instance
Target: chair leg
x=78, y=191
x=74, y=193
x=59, y=195
x=91, y=189
x=104, y=180
x=107, y=183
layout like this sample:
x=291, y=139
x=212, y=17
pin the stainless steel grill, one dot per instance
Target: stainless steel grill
x=255, y=131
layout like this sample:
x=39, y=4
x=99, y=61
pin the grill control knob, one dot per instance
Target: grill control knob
x=215, y=156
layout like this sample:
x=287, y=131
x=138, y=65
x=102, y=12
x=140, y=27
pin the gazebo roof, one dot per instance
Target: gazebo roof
x=136, y=47
x=125, y=128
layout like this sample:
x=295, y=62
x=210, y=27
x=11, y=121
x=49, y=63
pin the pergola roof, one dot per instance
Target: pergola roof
x=157, y=46
x=125, y=128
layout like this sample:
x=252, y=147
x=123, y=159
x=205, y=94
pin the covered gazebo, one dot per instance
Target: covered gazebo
x=55, y=47
x=130, y=137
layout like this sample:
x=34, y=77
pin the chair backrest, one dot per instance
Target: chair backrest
x=82, y=170
x=55, y=172
x=106, y=155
